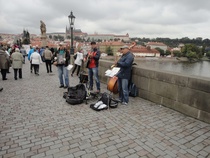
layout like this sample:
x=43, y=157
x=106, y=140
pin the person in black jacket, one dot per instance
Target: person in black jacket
x=62, y=58
x=125, y=64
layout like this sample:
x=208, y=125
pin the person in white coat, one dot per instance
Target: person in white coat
x=78, y=62
x=17, y=63
x=35, y=60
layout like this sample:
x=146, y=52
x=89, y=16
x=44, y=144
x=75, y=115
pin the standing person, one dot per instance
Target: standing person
x=4, y=63
x=17, y=63
x=23, y=52
x=78, y=62
x=29, y=57
x=36, y=59
x=41, y=51
x=92, y=65
x=125, y=65
x=62, y=58
x=47, y=55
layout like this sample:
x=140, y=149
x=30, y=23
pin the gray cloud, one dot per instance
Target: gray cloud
x=139, y=18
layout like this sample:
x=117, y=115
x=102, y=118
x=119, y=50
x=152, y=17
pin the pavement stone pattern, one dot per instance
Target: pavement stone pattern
x=36, y=122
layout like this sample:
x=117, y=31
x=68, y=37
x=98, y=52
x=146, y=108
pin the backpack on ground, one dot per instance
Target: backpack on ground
x=133, y=90
x=75, y=95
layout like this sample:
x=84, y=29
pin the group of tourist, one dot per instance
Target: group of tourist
x=61, y=58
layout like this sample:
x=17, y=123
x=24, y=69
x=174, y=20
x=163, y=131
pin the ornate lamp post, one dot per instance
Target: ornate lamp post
x=71, y=23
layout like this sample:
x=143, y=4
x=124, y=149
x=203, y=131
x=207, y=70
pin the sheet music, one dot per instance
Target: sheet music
x=111, y=73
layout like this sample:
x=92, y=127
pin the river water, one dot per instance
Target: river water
x=201, y=68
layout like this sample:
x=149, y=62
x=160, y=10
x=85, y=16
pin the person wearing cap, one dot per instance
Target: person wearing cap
x=125, y=65
x=92, y=59
x=17, y=63
x=62, y=58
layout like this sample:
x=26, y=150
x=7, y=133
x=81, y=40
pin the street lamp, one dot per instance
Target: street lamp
x=71, y=23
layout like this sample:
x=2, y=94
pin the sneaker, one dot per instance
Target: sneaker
x=65, y=87
x=71, y=75
x=124, y=103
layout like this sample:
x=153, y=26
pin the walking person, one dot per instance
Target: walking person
x=62, y=60
x=47, y=56
x=29, y=57
x=92, y=59
x=17, y=63
x=4, y=62
x=78, y=62
x=125, y=65
x=23, y=52
x=36, y=60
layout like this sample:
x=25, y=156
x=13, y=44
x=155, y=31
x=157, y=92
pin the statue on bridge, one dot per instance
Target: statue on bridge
x=43, y=27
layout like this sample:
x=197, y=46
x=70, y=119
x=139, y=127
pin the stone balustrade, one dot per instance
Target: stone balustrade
x=187, y=94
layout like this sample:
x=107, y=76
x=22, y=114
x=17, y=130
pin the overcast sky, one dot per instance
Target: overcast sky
x=138, y=18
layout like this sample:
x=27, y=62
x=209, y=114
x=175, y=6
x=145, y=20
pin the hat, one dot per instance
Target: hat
x=60, y=44
x=92, y=43
x=125, y=46
x=17, y=49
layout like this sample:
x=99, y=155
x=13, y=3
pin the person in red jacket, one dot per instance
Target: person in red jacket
x=93, y=60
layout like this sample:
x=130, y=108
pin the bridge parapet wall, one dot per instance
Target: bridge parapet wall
x=189, y=95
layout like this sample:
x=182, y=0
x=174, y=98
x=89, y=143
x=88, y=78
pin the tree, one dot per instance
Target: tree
x=109, y=51
x=161, y=51
x=191, y=51
x=208, y=54
x=167, y=52
x=177, y=53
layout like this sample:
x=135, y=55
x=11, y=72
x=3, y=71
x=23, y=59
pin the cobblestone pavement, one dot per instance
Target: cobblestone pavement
x=36, y=122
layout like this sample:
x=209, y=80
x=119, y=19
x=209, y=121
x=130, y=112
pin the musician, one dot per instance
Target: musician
x=125, y=64
x=93, y=60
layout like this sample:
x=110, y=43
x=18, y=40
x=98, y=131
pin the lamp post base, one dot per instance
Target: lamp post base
x=71, y=55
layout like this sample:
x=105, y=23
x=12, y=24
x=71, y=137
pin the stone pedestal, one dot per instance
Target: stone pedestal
x=43, y=40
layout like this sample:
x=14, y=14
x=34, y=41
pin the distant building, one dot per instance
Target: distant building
x=154, y=45
x=107, y=37
x=141, y=51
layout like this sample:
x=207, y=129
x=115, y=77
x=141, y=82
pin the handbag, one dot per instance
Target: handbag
x=75, y=56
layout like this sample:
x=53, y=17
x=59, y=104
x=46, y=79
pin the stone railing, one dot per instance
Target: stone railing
x=187, y=94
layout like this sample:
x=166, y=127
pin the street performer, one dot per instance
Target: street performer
x=92, y=59
x=125, y=64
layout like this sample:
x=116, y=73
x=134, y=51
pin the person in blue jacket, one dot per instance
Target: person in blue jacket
x=125, y=64
x=29, y=56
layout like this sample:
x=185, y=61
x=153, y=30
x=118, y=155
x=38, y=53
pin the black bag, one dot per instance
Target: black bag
x=83, y=77
x=133, y=90
x=75, y=56
x=76, y=95
x=106, y=101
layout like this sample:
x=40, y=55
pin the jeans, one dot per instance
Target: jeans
x=123, y=90
x=93, y=72
x=63, y=72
